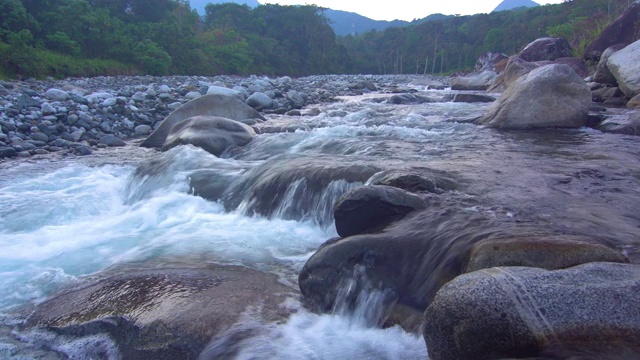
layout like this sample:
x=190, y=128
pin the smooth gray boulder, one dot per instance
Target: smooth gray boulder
x=259, y=101
x=207, y=105
x=211, y=133
x=169, y=313
x=56, y=95
x=475, y=81
x=219, y=90
x=519, y=312
x=625, y=66
x=549, y=96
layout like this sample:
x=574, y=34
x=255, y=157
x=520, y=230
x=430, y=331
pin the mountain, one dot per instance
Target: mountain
x=346, y=23
x=199, y=5
x=514, y=4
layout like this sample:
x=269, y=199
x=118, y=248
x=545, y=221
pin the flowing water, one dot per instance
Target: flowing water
x=61, y=220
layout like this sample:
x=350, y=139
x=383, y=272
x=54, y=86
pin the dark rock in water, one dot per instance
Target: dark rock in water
x=549, y=96
x=432, y=181
x=519, y=312
x=111, y=140
x=409, y=99
x=297, y=187
x=371, y=208
x=473, y=98
x=82, y=150
x=625, y=29
x=415, y=256
x=163, y=314
x=7, y=152
x=628, y=124
x=603, y=75
x=212, y=134
x=207, y=105
x=546, y=49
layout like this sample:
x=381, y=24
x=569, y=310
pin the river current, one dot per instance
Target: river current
x=64, y=219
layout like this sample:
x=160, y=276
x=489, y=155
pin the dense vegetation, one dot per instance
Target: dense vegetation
x=160, y=37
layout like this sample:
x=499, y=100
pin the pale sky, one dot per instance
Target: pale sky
x=405, y=9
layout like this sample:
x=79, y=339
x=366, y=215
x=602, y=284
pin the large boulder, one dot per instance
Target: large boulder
x=475, y=81
x=163, y=314
x=546, y=49
x=623, y=30
x=370, y=208
x=514, y=69
x=259, y=101
x=208, y=105
x=220, y=90
x=591, y=310
x=549, y=96
x=415, y=256
x=625, y=66
x=603, y=75
x=488, y=61
x=211, y=133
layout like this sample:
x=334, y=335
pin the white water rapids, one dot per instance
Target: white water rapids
x=65, y=219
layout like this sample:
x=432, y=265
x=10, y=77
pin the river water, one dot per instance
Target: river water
x=63, y=219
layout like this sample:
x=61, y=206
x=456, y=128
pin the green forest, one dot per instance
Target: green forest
x=61, y=38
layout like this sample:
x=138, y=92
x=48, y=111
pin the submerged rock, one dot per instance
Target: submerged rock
x=628, y=124
x=209, y=105
x=164, y=314
x=211, y=133
x=550, y=96
x=519, y=312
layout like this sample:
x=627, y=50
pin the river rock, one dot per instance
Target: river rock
x=628, y=124
x=211, y=133
x=549, y=96
x=520, y=312
x=163, y=314
x=207, y=105
x=603, y=75
x=578, y=65
x=472, y=98
x=489, y=60
x=427, y=180
x=476, y=81
x=143, y=129
x=370, y=208
x=7, y=152
x=546, y=49
x=625, y=29
x=56, y=95
x=634, y=102
x=259, y=101
x=625, y=66
x=111, y=140
x=514, y=69
x=409, y=99
x=219, y=90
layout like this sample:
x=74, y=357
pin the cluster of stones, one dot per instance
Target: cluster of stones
x=79, y=115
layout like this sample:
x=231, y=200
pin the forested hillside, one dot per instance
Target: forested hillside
x=160, y=37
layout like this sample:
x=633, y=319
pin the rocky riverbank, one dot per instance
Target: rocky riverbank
x=77, y=116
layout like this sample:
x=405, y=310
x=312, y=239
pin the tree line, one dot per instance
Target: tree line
x=163, y=37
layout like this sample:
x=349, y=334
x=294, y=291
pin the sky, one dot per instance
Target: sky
x=405, y=9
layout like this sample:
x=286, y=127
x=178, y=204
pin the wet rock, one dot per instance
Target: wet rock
x=634, y=102
x=111, y=140
x=476, y=81
x=625, y=66
x=550, y=96
x=432, y=181
x=82, y=150
x=473, y=98
x=409, y=99
x=546, y=49
x=371, y=208
x=519, y=312
x=207, y=105
x=625, y=29
x=259, y=101
x=556, y=252
x=628, y=124
x=212, y=134
x=163, y=314
x=603, y=75
x=291, y=185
